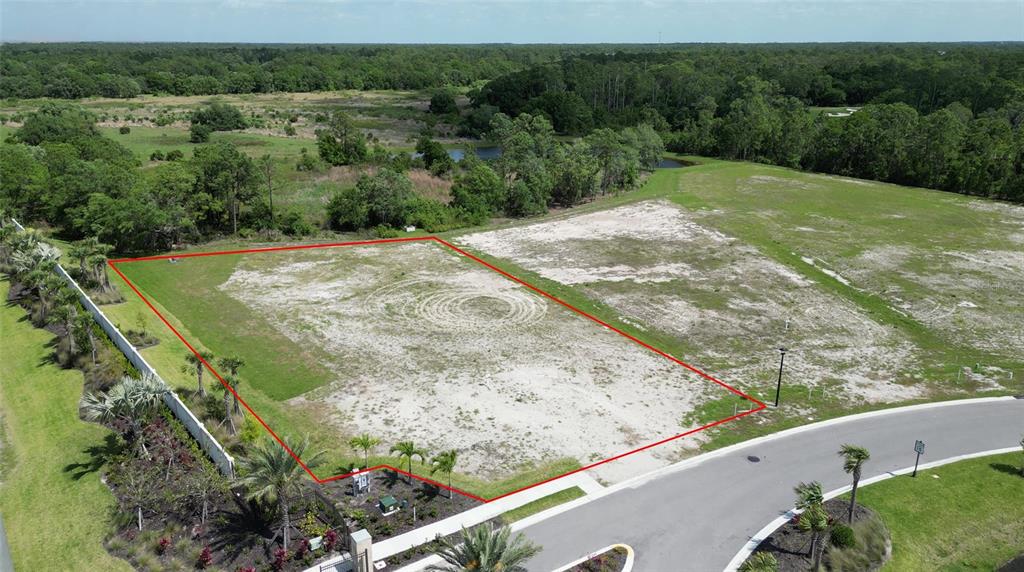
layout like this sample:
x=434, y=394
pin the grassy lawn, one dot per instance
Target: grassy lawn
x=144, y=140
x=969, y=518
x=542, y=504
x=52, y=500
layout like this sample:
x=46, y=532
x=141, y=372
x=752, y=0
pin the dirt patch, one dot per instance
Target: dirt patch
x=430, y=346
x=728, y=304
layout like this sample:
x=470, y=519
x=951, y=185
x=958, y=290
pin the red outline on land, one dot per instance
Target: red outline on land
x=113, y=264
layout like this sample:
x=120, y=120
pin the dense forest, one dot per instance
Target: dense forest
x=72, y=71
x=946, y=117
x=573, y=122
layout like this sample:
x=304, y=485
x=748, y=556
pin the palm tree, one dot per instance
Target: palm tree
x=231, y=365
x=854, y=458
x=445, y=463
x=364, y=442
x=761, y=562
x=229, y=381
x=408, y=450
x=271, y=475
x=83, y=324
x=808, y=495
x=81, y=250
x=132, y=400
x=815, y=521
x=65, y=315
x=485, y=549
x=194, y=365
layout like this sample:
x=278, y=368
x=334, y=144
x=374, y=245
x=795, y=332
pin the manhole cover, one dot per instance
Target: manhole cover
x=754, y=459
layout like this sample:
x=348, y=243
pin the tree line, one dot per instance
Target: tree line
x=946, y=117
x=58, y=168
x=72, y=71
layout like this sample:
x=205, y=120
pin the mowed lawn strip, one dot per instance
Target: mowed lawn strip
x=53, y=510
x=542, y=504
x=187, y=288
x=969, y=518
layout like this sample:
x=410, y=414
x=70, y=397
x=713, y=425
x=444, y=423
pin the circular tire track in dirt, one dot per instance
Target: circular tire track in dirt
x=422, y=301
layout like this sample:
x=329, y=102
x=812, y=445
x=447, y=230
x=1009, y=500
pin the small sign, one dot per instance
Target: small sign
x=919, y=447
x=360, y=483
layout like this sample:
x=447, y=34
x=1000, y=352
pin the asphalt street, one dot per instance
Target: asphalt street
x=696, y=519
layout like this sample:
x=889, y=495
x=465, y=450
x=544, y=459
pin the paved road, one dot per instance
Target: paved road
x=698, y=518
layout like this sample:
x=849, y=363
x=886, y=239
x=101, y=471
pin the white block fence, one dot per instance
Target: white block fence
x=195, y=427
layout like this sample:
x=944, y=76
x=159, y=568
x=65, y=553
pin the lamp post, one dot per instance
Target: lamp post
x=778, y=386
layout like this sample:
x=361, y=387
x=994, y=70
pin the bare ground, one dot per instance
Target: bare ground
x=432, y=347
x=728, y=304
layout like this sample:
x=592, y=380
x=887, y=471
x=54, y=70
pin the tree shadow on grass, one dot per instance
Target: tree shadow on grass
x=1008, y=469
x=99, y=455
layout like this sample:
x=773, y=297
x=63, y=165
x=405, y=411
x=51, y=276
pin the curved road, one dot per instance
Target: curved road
x=696, y=517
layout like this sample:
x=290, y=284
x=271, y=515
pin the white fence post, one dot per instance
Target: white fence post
x=195, y=427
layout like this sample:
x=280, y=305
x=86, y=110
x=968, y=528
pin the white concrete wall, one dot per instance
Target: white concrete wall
x=195, y=427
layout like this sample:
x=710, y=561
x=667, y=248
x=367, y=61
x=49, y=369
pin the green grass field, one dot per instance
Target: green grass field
x=964, y=516
x=51, y=497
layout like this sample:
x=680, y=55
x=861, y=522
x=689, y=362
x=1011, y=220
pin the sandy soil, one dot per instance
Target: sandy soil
x=728, y=304
x=432, y=347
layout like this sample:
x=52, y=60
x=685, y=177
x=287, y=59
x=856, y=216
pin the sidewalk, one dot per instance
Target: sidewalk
x=482, y=513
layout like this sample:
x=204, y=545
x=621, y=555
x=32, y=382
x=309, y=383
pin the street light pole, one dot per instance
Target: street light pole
x=778, y=386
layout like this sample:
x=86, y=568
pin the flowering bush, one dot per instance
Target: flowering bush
x=280, y=557
x=330, y=539
x=205, y=558
x=163, y=545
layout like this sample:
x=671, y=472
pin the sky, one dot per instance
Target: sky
x=510, y=21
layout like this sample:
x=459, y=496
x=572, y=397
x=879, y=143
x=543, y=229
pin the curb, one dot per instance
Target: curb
x=639, y=480
x=627, y=567
x=774, y=525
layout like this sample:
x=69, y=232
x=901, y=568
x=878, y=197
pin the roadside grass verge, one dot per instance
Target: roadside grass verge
x=52, y=500
x=542, y=504
x=967, y=515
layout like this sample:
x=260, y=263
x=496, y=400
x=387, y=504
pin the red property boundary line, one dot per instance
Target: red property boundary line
x=114, y=265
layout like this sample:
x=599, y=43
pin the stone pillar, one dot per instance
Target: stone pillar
x=360, y=545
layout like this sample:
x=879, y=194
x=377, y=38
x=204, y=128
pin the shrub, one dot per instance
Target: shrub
x=303, y=548
x=199, y=133
x=251, y=431
x=174, y=155
x=163, y=545
x=330, y=539
x=124, y=130
x=205, y=558
x=219, y=117
x=157, y=155
x=289, y=130
x=294, y=224
x=842, y=536
x=443, y=102
x=385, y=231
x=280, y=557
x=429, y=214
x=306, y=161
